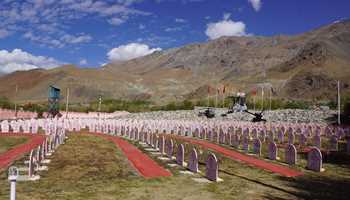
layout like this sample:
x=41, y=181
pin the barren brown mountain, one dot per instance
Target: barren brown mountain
x=304, y=66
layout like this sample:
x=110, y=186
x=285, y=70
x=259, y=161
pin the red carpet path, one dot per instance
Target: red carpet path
x=8, y=157
x=147, y=167
x=279, y=169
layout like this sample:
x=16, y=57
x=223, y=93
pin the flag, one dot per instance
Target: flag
x=254, y=92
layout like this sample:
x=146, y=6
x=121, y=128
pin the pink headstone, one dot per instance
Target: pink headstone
x=180, y=154
x=193, y=161
x=314, y=159
x=272, y=151
x=257, y=147
x=161, y=144
x=280, y=136
x=291, y=154
x=302, y=139
x=169, y=148
x=246, y=144
x=317, y=141
x=212, y=168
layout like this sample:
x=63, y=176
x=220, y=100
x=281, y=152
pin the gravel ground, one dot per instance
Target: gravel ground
x=287, y=115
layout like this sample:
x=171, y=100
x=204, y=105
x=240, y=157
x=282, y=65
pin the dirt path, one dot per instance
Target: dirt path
x=8, y=157
x=275, y=168
x=147, y=167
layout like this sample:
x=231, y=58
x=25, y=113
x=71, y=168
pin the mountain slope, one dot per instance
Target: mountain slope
x=302, y=66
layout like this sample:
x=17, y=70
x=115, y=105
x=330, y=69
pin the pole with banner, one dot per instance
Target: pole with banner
x=208, y=96
x=223, y=96
x=338, y=85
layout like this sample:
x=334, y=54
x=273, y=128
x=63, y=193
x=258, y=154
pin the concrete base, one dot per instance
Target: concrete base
x=201, y=180
x=172, y=165
x=28, y=178
x=42, y=168
x=46, y=161
x=23, y=169
x=164, y=158
x=155, y=153
x=150, y=149
x=186, y=172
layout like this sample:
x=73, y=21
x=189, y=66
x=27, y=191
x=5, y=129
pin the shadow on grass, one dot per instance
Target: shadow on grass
x=262, y=184
x=317, y=187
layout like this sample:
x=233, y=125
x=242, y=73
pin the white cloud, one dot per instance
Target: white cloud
x=83, y=62
x=51, y=20
x=174, y=29
x=141, y=26
x=256, y=4
x=4, y=33
x=21, y=60
x=71, y=39
x=226, y=27
x=130, y=51
x=180, y=20
x=116, y=21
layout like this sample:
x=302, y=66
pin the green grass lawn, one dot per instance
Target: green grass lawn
x=7, y=143
x=89, y=167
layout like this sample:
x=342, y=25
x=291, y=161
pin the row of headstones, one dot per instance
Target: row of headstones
x=228, y=138
x=37, y=157
x=314, y=161
x=166, y=147
x=17, y=127
x=234, y=139
x=302, y=139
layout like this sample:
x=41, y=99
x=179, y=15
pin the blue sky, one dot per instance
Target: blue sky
x=47, y=33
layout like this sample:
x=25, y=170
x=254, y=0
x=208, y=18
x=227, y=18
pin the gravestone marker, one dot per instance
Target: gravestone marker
x=291, y=137
x=245, y=144
x=272, y=151
x=170, y=148
x=317, y=141
x=212, y=168
x=161, y=144
x=314, y=160
x=280, y=136
x=193, y=161
x=257, y=147
x=302, y=139
x=180, y=154
x=291, y=154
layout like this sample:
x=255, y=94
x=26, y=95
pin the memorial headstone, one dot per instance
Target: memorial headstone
x=291, y=154
x=272, y=149
x=212, y=168
x=180, y=154
x=193, y=161
x=314, y=160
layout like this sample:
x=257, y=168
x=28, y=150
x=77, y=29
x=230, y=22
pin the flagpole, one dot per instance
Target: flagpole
x=270, y=99
x=216, y=97
x=67, y=102
x=262, y=97
x=338, y=84
x=223, y=97
x=16, y=101
x=208, y=96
